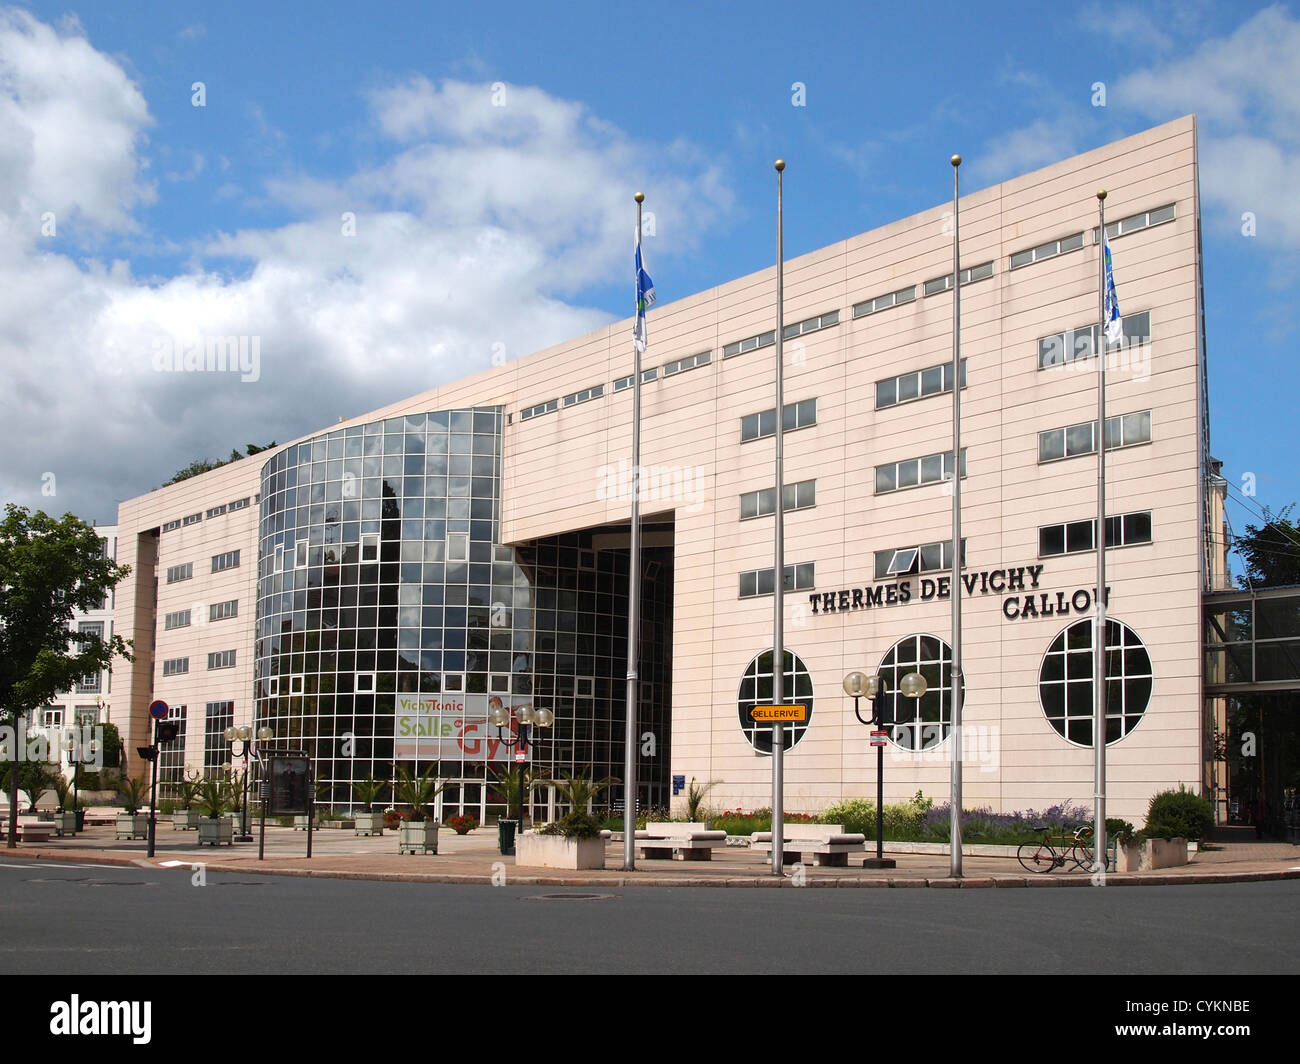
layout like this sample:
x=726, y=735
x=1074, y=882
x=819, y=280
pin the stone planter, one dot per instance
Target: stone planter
x=185, y=820
x=65, y=823
x=370, y=823
x=300, y=823
x=1152, y=854
x=215, y=832
x=555, y=851
x=417, y=836
x=132, y=826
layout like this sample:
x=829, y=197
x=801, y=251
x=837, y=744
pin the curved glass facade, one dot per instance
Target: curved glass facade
x=390, y=619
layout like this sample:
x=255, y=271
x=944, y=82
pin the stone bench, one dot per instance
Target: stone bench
x=684, y=842
x=30, y=830
x=827, y=843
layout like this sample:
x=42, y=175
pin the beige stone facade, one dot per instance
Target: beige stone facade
x=561, y=472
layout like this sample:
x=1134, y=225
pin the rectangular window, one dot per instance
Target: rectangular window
x=370, y=546
x=926, y=558
x=1073, y=537
x=193, y=519
x=1123, y=430
x=756, y=582
x=822, y=321
x=750, y=343
x=539, y=409
x=763, y=424
x=216, y=511
x=239, y=504
x=221, y=659
x=912, y=472
x=296, y=684
x=179, y=619
x=219, y=611
x=52, y=718
x=800, y=496
x=971, y=273
x=646, y=376
x=889, y=299
x=594, y=392
x=176, y=666
x=216, y=749
x=180, y=572
x=1145, y=220
x=222, y=562
x=683, y=364
x=171, y=526
x=918, y=384
x=458, y=547
x=364, y=683
x=1075, y=344
x=300, y=554
x=1047, y=251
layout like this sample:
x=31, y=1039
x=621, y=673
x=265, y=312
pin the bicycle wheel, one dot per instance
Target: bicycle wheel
x=1036, y=857
x=1084, y=855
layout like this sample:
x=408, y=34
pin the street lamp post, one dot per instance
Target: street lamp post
x=859, y=685
x=528, y=718
x=76, y=758
x=244, y=736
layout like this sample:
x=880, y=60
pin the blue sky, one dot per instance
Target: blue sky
x=173, y=217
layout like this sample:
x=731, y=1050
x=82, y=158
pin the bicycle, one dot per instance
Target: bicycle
x=1043, y=856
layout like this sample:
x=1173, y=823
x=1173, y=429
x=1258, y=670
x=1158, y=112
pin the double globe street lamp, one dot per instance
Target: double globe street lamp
x=244, y=735
x=859, y=685
x=528, y=718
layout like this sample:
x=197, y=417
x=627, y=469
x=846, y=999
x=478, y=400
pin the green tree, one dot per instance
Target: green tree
x=49, y=569
x=206, y=465
x=1271, y=552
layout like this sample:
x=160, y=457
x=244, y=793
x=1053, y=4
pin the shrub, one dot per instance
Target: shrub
x=574, y=826
x=461, y=825
x=858, y=815
x=1179, y=814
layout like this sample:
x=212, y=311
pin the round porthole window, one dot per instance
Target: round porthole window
x=918, y=723
x=1065, y=682
x=756, y=690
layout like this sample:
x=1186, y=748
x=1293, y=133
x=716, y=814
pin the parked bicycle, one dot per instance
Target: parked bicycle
x=1055, y=851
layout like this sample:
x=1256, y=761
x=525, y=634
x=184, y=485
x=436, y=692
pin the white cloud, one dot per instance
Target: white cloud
x=475, y=229
x=1244, y=89
x=71, y=126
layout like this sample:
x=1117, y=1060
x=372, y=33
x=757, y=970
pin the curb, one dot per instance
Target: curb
x=749, y=882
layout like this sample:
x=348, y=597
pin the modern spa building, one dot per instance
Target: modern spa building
x=369, y=589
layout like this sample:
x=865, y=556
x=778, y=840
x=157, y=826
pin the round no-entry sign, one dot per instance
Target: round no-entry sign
x=158, y=710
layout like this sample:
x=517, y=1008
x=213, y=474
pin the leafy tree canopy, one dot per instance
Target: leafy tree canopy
x=48, y=570
x=1271, y=551
x=206, y=465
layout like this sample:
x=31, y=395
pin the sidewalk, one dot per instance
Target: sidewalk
x=474, y=858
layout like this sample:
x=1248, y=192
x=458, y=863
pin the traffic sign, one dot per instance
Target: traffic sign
x=521, y=757
x=779, y=714
x=158, y=710
x=878, y=737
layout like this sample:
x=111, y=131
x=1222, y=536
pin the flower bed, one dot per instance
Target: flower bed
x=461, y=825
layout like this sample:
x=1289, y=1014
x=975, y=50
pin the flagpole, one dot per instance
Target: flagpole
x=633, y=587
x=778, y=571
x=955, y=805
x=1099, y=631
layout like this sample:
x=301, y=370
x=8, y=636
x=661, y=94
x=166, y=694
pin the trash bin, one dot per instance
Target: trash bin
x=506, y=837
x=81, y=820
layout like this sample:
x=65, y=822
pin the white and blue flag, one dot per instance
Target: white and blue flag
x=645, y=297
x=1114, y=321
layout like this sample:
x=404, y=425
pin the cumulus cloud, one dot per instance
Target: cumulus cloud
x=474, y=233
x=1243, y=87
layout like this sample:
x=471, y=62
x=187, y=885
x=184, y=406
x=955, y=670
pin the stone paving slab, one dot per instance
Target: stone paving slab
x=473, y=859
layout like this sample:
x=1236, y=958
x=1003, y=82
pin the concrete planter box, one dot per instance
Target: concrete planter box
x=215, y=832
x=300, y=823
x=1152, y=854
x=132, y=826
x=65, y=823
x=417, y=836
x=185, y=820
x=337, y=825
x=555, y=851
x=370, y=823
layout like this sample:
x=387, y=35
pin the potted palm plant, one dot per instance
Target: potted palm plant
x=186, y=818
x=214, y=801
x=418, y=830
x=516, y=783
x=573, y=841
x=65, y=820
x=133, y=824
x=367, y=792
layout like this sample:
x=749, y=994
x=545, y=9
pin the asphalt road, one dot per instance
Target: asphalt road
x=58, y=918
